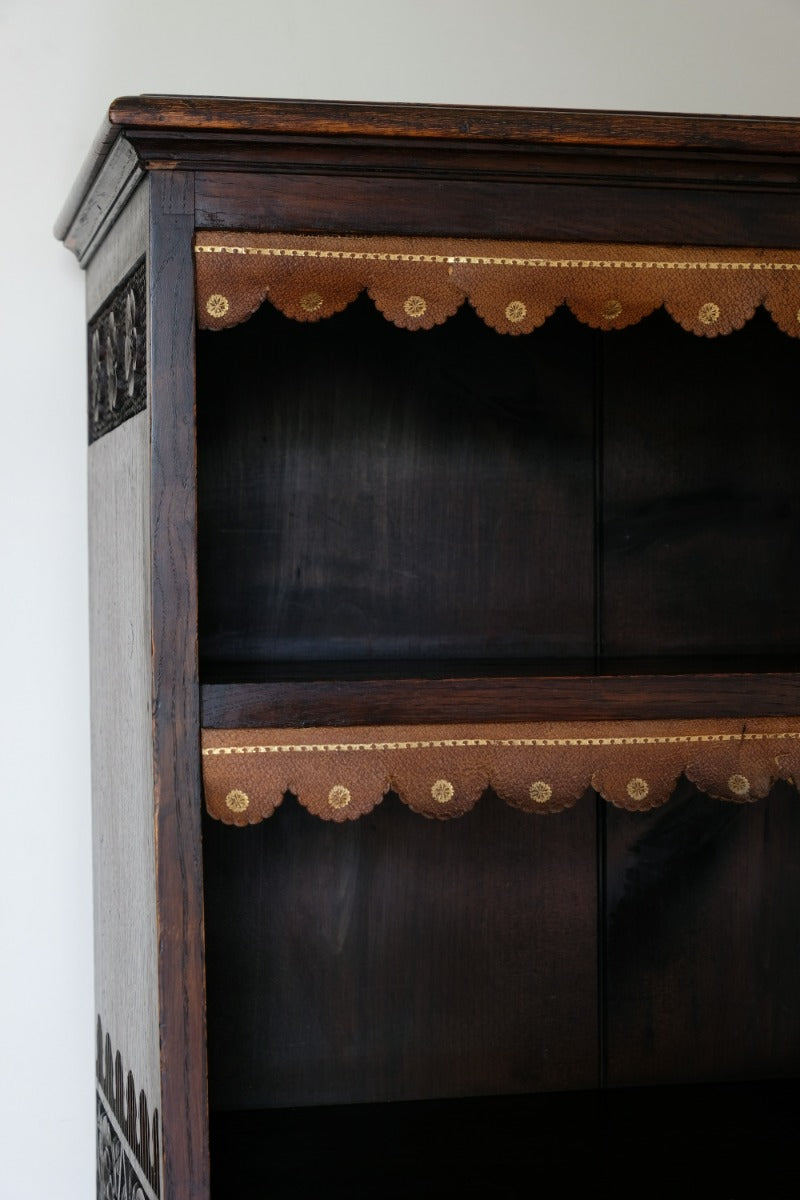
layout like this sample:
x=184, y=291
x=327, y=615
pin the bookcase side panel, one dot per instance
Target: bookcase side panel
x=126, y=948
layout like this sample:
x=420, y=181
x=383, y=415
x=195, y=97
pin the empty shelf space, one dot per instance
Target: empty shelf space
x=726, y=1136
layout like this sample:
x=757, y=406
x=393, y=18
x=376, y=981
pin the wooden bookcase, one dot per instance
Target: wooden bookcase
x=344, y=523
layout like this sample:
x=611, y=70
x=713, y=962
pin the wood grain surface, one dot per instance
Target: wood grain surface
x=701, y=501
x=401, y=958
x=449, y=515
x=700, y=924
x=618, y=129
x=175, y=693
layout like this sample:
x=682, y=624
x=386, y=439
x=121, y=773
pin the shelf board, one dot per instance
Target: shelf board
x=249, y=696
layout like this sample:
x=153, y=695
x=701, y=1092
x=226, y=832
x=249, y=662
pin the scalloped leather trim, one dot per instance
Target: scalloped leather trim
x=442, y=771
x=513, y=286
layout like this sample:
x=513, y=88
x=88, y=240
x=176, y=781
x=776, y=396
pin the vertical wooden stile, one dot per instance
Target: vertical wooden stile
x=175, y=690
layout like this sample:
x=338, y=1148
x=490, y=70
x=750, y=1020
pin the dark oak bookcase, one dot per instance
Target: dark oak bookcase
x=346, y=523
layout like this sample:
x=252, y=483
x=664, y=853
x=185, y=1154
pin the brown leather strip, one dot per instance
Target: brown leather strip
x=514, y=286
x=441, y=771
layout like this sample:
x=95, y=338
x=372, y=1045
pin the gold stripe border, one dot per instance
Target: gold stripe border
x=491, y=261
x=450, y=743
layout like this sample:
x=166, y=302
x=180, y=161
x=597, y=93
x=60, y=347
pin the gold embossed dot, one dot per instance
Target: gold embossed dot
x=339, y=796
x=540, y=792
x=797, y=315
x=237, y=801
x=443, y=791
x=415, y=306
x=611, y=310
x=217, y=305
x=709, y=313
x=516, y=311
x=739, y=785
x=637, y=788
x=310, y=302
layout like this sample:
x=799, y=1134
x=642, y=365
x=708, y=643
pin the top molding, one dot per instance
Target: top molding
x=549, y=126
x=144, y=133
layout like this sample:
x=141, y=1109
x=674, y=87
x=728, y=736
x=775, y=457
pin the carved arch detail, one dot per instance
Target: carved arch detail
x=128, y=1139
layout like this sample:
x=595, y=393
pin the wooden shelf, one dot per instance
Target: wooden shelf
x=369, y=697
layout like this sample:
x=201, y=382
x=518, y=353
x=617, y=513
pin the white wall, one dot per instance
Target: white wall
x=60, y=64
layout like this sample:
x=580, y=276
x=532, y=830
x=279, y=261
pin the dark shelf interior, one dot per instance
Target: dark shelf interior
x=395, y=958
x=376, y=503
x=402, y=527
x=727, y=1140
x=370, y=670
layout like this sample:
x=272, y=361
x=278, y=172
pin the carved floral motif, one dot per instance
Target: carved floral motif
x=116, y=1177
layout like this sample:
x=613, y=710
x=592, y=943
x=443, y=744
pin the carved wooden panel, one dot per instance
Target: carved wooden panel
x=128, y=1143
x=117, y=356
